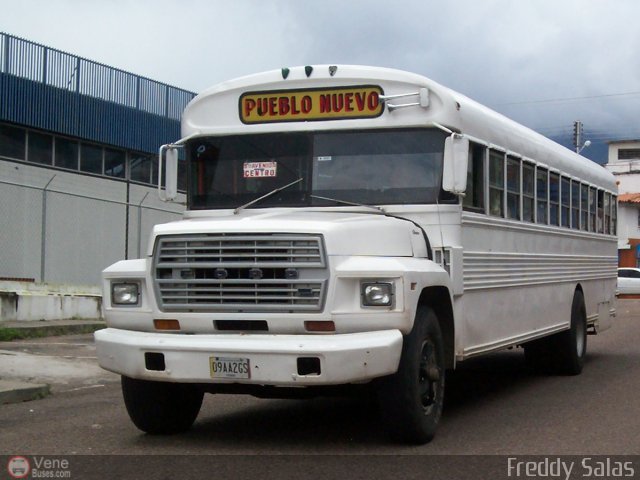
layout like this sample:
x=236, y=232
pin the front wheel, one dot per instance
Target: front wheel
x=411, y=400
x=161, y=407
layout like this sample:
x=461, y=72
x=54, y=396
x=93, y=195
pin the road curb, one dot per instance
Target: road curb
x=17, y=392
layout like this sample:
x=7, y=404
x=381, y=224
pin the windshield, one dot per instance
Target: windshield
x=377, y=167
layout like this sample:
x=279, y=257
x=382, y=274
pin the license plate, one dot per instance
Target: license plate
x=224, y=367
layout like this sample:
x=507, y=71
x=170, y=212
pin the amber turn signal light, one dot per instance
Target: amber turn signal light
x=166, y=324
x=320, y=326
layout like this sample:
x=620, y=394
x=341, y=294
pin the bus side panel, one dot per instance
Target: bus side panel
x=519, y=280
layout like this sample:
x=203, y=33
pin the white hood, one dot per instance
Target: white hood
x=345, y=233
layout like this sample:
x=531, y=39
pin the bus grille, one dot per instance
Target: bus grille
x=240, y=272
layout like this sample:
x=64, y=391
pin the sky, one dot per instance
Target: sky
x=544, y=63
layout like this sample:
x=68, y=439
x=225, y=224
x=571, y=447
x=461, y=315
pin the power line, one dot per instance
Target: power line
x=569, y=99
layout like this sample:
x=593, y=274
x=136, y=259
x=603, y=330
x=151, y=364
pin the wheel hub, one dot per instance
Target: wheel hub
x=429, y=375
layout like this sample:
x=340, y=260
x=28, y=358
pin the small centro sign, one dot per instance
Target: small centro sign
x=311, y=105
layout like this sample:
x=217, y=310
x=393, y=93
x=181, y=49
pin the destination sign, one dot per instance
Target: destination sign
x=311, y=105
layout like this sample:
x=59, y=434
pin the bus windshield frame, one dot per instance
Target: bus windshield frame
x=372, y=167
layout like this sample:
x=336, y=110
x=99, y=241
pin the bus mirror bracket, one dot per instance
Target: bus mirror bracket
x=456, y=159
x=169, y=190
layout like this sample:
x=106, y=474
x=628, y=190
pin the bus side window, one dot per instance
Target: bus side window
x=584, y=207
x=575, y=204
x=554, y=199
x=513, y=188
x=565, y=198
x=601, y=209
x=592, y=209
x=496, y=183
x=614, y=215
x=528, y=192
x=607, y=213
x=474, y=196
x=542, y=197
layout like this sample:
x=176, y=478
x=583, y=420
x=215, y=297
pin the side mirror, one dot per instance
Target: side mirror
x=456, y=160
x=170, y=191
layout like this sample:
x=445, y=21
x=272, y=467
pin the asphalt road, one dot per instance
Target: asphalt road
x=494, y=405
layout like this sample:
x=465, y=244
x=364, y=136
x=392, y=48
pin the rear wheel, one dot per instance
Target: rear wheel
x=161, y=407
x=563, y=353
x=411, y=399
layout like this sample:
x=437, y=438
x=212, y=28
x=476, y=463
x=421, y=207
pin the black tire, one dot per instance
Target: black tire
x=161, y=408
x=411, y=399
x=563, y=353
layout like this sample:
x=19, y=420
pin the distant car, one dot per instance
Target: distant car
x=628, y=281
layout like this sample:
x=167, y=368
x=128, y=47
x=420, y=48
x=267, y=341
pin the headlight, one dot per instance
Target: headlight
x=377, y=294
x=125, y=294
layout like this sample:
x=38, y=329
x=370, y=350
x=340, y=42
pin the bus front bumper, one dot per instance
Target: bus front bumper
x=271, y=359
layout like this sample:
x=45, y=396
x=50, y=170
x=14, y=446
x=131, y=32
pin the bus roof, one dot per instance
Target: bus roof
x=218, y=111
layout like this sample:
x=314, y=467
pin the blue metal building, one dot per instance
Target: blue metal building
x=78, y=148
x=45, y=88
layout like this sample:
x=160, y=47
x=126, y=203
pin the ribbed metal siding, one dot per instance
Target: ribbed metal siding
x=44, y=88
x=259, y=272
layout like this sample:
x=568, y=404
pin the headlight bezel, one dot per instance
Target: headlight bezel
x=370, y=289
x=126, y=287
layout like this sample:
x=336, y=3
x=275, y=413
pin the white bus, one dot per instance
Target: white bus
x=351, y=225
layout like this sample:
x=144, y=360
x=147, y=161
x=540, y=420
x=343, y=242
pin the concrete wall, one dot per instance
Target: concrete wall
x=614, y=147
x=84, y=219
x=25, y=301
x=627, y=223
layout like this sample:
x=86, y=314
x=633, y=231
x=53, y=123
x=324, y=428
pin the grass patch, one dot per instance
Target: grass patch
x=8, y=334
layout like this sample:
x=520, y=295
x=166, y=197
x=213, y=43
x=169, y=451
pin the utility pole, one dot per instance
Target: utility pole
x=577, y=135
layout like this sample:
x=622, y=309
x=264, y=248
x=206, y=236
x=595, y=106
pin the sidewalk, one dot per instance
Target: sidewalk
x=15, y=391
x=28, y=376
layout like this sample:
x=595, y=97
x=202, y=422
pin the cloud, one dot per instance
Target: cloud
x=500, y=52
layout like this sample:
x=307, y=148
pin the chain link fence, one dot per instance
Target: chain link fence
x=66, y=231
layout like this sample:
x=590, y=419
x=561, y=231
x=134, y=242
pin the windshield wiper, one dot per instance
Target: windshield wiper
x=272, y=192
x=345, y=202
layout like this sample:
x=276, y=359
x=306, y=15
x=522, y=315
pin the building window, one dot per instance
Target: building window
x=541, y=195
x=71, y=154
x=12, y=142
x=629, y=154
x=66, y=153
x=496, y=183
x=115, y=162
x=140, y=167
x=40, y=148
x=474, y=196
x=91, y=158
